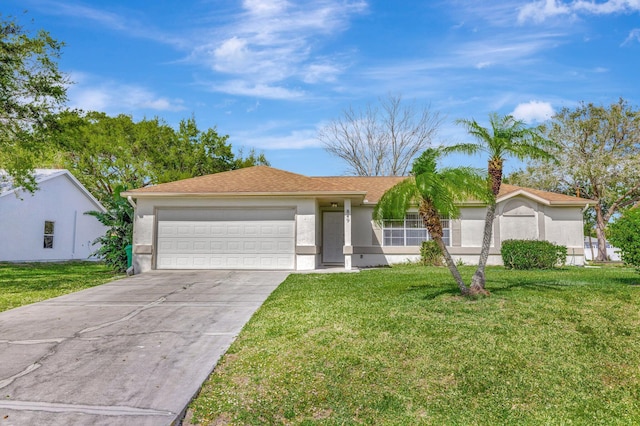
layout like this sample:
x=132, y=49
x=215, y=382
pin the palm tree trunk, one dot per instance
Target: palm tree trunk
x=478, y=280
x=448, y=260
x=494, y=169
x=432, y=222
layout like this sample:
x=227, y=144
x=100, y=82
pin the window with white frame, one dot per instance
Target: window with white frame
x=410, y=231
x=48, y=234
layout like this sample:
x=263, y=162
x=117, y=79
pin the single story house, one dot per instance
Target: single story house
x=50, y=224
x=264, y=218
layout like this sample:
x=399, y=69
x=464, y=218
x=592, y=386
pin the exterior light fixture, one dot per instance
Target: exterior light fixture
x=334, y=204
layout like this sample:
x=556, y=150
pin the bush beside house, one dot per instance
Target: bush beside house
x=532, y=254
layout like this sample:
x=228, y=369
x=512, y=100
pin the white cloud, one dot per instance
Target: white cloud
x=265, y=43
x=483, y=64
x=114, y=21
x=493, y=51
x=92, y=94
x=321, y=72
x=296, y=139
x=264, y=7
x=231, y=56
x=274, y=41
x=634, y=35
x=259, y=90
x=540, y=10
x=533, y=111
x=607, y=7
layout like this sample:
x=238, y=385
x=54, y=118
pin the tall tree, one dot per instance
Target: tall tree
x=625, y=234
x=437, y=193
x=31, y=88
x=381, y=141
x=506, y=137
x=598, y=156
x=106, y=152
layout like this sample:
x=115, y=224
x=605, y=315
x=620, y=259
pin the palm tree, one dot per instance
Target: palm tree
x=437, y=194
x=507, y=137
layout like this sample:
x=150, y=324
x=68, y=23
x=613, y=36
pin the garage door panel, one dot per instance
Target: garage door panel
x=186, y=243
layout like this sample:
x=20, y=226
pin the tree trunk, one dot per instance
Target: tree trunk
x=432, y=222
x=478, y=280
x=601, y=223
x=464, y=290
x=494, y=169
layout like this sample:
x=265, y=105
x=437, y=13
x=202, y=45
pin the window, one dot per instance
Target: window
x=410, y=231
x=48, y=234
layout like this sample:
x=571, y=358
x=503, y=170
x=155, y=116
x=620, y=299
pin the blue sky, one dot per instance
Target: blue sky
x=269, y=73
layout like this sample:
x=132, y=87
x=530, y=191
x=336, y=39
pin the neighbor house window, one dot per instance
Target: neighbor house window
x=48, y=234
x=410, y=231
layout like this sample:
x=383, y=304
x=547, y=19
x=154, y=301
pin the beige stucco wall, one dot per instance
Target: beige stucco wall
x=564, y=226
x=472, y=226
x=145, y=224
x=519, y=217
x=362, y=226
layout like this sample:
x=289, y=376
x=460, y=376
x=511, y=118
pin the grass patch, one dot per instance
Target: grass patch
x=25, y=283
x=399, y=346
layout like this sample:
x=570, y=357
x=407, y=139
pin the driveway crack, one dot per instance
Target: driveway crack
x=59, y=341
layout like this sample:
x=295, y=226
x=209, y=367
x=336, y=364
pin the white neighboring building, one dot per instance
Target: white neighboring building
x=50, y=224
x=591, y=250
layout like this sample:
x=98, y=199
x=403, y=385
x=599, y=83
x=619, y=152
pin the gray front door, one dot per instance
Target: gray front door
x=332, y=237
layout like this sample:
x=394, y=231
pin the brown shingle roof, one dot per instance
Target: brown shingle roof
x=267, y=180
x=507, y=190
x=257, y=179
x=374, y=186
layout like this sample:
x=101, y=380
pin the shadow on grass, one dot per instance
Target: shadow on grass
x=504, y=285
x=501, y=282
x=434, y=292
x=508, y=286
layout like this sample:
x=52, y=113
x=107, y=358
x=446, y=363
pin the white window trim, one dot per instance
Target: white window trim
x=51, y=235
x=414, y=221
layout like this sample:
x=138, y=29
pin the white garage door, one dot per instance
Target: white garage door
x=226, y=239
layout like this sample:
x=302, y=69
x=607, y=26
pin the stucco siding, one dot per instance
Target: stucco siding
x=144, y=238
x=564, y=226
x=472, y=226
x=57, y=200
x=361, y=228
x=518, y=217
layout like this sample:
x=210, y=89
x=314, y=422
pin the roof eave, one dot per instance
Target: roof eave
x=577, y=202
x=151, y=194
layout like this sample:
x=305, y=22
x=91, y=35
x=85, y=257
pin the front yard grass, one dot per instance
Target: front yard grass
x=399, y=347
x=24, y=283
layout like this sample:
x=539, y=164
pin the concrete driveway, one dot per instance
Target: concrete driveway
x=133, y=351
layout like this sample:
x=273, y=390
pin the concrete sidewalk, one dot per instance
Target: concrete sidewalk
x=134, y=351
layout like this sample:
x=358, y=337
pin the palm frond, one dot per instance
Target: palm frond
x=464, y=148
x=395, y=202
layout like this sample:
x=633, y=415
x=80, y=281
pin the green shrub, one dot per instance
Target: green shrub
x=624, y=233
x=532, y=254
x=119, y=222
x=430, y=254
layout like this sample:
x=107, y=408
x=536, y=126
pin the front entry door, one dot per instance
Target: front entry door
x=332, y=237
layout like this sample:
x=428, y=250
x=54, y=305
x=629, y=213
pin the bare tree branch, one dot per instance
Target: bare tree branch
x=381, y=141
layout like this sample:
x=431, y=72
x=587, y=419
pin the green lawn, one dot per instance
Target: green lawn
x=400, y=347
x=24, y=283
